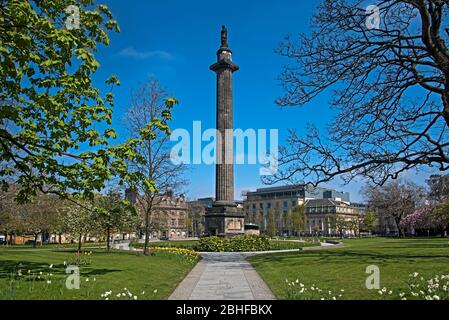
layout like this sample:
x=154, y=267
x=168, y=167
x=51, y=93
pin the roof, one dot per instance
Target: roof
x=324, y=203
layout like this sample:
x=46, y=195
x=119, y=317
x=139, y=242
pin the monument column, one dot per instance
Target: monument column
x=224, y=218
x=224, y=174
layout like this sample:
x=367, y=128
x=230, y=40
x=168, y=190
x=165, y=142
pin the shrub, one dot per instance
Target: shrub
x=211, y=244
x=248, y=243
x=238, y=244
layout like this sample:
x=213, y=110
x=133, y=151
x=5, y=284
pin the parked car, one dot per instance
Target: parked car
x=164, y=238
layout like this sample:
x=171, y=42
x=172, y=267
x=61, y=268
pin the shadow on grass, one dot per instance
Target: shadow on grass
x=346, y=256
x=9, y=267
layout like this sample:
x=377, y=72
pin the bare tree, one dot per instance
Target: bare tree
x=438, y=186
x=148, y=106
x=390, y=88
x=395, y=199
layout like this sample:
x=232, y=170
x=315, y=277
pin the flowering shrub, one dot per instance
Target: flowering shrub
x=425, y=218
x=296, y=290
x=186, y=253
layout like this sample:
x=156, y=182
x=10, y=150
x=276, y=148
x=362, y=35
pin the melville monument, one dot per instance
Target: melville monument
x=225, y=218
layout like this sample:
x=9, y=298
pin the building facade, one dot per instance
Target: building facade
x=322, y=212
x=319, y=202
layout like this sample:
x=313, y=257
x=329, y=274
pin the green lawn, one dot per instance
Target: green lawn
x=344, y=268
x=152, y=277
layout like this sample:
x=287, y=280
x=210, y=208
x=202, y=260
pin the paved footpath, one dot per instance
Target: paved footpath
x=223, y=276
x=228, y=276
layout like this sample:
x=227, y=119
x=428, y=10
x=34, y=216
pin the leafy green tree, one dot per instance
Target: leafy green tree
x=50, y=109
x=299, y=219
x=79, y=220
x=369, y=221
x=271, y=223
x=339, y=224
x=114, y=214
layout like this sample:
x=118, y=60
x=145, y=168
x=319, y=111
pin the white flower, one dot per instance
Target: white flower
x=135, y=297
x=51, y=266
x=342, y=290
x=436, y=297
x=333, y=298
x=87, y=279
x=404, y=298
x=143, y=292
x=155, y=291
x=48, y=282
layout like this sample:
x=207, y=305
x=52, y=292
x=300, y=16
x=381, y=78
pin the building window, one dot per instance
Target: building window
x=293, y=203
x=285, y=204
x=254, y=206
x=269, y=205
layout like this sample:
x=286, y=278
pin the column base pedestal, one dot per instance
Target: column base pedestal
x=225, y=219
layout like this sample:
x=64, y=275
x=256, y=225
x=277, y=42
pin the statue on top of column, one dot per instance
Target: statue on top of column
x=224, y=37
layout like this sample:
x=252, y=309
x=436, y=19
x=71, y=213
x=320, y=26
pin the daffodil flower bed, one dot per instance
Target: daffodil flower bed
x=189, y=254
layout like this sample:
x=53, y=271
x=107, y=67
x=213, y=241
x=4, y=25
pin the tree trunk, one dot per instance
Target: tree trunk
x=79, y=243
x=108, y=246
x=147, y=234
x=60, y=238
x=35, y=240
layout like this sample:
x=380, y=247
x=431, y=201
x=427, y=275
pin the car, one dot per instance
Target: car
x=164, y=238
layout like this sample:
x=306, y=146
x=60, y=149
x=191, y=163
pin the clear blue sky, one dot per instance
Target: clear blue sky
x=175, y=41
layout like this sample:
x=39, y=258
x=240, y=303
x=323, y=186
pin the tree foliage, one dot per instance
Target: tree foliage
x=51, y=111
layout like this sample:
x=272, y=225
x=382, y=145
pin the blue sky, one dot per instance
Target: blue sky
x=175, y=41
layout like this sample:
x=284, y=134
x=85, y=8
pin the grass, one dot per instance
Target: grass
x=190, y=244
x=103, y=272
x=344, y=268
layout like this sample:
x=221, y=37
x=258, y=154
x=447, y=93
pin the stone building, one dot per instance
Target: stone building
x=169, y=216
x=284, y=198
x=319, y=211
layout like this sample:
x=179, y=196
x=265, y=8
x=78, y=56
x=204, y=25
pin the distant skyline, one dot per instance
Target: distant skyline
x=176, y=41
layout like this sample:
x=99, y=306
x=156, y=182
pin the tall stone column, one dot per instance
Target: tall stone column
x=224, y=218
x=224, y=174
